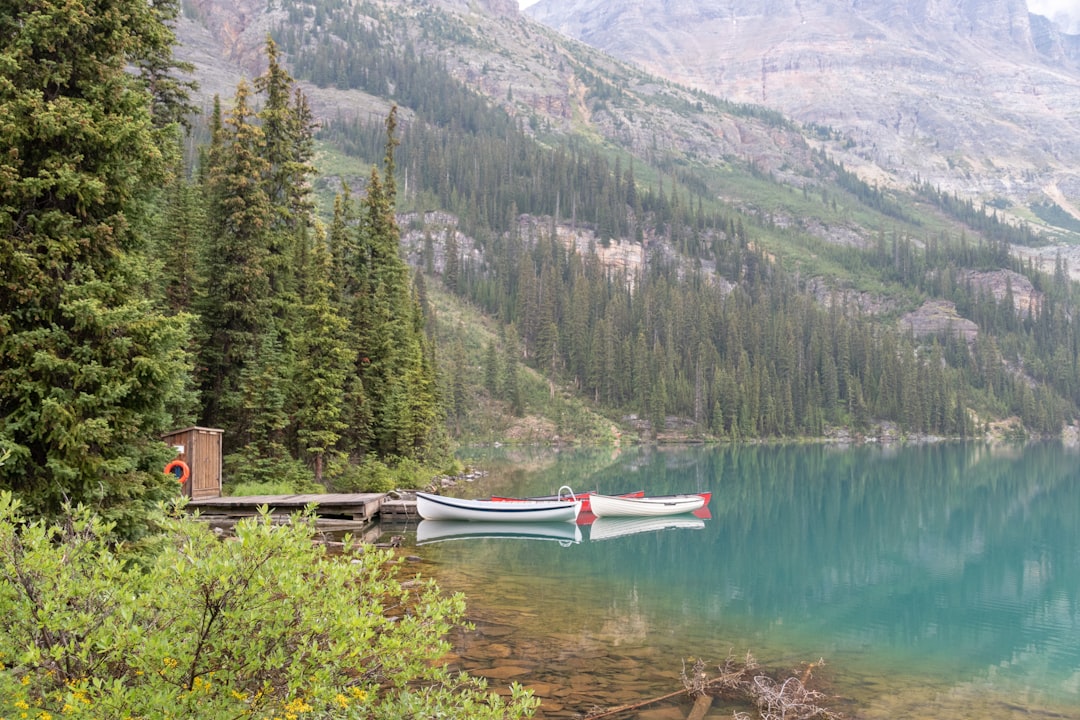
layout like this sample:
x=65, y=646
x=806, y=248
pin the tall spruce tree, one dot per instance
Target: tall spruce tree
x=87, y=366
x=324, y=361
x=235, y=305
x=396, y=368
x=288, y=145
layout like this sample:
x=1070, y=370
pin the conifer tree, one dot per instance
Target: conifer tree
x=288, y=145
x=491, y=369
x=511, y=382
x=88, y=366
x=324, y=362
x=170, y=94
x=397, y=390
x=235, y=305
x=180, y=233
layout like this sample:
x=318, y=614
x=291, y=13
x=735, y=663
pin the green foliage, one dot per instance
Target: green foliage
x=382, y=475
x=987, y=223
x=312, y=349
x=222, y=629
x=324, y=362
x=396, y=402
x=259, y=465
x=1053, y=214
x=272, y=487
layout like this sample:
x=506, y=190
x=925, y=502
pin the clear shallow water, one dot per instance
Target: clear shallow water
x=938, y=581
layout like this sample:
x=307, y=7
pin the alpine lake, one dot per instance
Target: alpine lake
x=934, y=581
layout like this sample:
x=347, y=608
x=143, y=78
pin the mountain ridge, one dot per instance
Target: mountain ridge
x=980, y=98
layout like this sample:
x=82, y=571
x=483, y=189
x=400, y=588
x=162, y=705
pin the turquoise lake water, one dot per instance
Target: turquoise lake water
x=937, y=581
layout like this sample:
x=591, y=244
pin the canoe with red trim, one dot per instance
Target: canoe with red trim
x=649, y=506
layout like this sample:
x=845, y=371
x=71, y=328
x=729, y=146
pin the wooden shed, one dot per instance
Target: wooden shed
x=200, y=449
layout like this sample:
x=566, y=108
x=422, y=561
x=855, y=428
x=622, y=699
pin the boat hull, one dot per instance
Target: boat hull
x=656, y=506
x=437, y=507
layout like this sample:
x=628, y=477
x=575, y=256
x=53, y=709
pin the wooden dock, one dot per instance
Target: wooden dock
x=356, y=507
x=399, y=511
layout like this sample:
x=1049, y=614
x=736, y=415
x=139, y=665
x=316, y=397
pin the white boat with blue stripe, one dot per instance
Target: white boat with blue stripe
x=437, y=507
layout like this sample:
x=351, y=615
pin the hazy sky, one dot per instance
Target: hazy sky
x=1066, y=12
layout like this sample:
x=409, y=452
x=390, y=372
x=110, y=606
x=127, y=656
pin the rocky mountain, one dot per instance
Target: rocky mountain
x=557, y=86
x=979, y=97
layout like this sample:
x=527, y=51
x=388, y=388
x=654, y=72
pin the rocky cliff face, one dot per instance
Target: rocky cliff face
x=976, y=96
x=495, y=7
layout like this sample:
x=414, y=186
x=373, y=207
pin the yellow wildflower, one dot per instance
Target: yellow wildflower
x=294, y=707
x=342, y=700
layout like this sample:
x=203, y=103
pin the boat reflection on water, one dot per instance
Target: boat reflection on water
x=605, y=528
x=431, y=531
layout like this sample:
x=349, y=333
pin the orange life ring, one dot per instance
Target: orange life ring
x=180, y=465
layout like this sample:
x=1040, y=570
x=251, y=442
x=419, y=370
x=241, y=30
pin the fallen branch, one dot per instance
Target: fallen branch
x=633, y=706
x=787, y=700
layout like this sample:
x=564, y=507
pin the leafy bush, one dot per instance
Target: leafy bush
x=280, y=487
x=248, y=467
x=261, y=625
x=372, y=475
x=383, y=475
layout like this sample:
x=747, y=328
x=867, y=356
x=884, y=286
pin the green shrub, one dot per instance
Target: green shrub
x=372, y=475
x=383, y=475
x=280, y=487
x=248, y=467
x=265, y=624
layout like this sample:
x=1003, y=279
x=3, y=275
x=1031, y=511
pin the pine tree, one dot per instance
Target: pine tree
x=324, y=361
x=396, y=367
x=158, y=69
x=88, y=365
x=491, y=369
x=288, y=146
x=235, y=306
x=511, y=381
x=179, y=235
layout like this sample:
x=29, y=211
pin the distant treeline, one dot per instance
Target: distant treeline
x=987, y=224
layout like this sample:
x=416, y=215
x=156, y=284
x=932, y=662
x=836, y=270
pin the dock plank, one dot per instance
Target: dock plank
x=358, y=506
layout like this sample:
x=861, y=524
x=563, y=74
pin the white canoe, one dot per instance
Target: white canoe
x=609, y=506
x=430, y=531
x=612, y=527
x=437, y=507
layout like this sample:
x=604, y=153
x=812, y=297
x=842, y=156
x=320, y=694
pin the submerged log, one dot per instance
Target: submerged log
x=701, y=706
